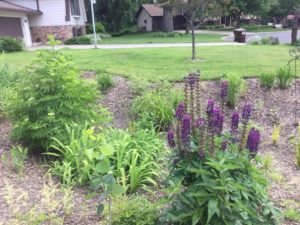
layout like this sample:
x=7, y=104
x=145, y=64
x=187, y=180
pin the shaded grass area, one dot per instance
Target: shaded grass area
x=151, y=37
x=171, y=63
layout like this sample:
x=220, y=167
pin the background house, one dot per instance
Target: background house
x=150, y=18
x=33, y=20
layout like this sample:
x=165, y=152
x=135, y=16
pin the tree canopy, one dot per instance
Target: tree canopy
x=281, y=8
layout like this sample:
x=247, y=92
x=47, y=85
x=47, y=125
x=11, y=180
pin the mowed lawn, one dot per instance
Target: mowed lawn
x=170, y=63
x=151, y=37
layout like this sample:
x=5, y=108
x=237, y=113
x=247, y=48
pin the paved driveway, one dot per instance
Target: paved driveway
x=283, y=36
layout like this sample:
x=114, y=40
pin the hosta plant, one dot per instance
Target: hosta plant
x=213, y=179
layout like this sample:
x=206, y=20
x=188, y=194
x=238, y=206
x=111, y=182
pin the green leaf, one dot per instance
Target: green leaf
x=108, y=179
x=103, y=166
x=118, y=189
x=100, y=209
x=196, y=218
x=212, y=209
x=107, y=150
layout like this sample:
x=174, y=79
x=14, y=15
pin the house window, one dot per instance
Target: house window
x=145, y=21
x=75, y=8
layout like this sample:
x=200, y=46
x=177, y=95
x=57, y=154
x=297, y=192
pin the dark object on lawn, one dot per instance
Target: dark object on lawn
x=295, y=53
x=240, y=35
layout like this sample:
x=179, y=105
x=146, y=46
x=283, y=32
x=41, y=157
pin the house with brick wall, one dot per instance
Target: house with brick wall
x=33, y=20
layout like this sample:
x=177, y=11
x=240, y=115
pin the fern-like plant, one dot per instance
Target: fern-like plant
x=276, y=134
x=236, y=86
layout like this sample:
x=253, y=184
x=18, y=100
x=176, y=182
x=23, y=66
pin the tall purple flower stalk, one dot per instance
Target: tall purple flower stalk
x=253, y=141
x=180, y=110
x=210, y=108
x=246, y=115
x=235, y=119
x=171, y=139
x=224, y=145
x=186, y=129
x=224, y=90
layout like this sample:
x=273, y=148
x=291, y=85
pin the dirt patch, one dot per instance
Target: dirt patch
x=118, y=101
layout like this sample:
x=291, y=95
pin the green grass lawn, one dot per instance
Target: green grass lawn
x=171, y=63
x=150, y=37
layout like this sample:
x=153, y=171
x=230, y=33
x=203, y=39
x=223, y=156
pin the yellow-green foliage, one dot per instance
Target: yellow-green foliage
x=53, y=201
x=276, y=134
x=267, y=162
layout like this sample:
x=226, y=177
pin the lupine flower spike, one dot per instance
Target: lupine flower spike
x=253, y=141
x=171, y=139
x=246, y=115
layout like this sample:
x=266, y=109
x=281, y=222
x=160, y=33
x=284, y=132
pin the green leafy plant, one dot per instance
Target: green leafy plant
x=267, y=80
x=104, y=81
x=284, y=76
x=212, y=178
x=136, y=157
x=236, y=86
x=52, y=41
x=9, y=44
x=48, y=96
x=99, y=28
x=156, y=106
x=132, y=157
x=133, y=210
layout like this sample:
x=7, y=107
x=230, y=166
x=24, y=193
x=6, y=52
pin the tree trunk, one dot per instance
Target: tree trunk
x=168, y=19
x=187, y=26
x=193, y=41
x=295, y=30
x=238, y=21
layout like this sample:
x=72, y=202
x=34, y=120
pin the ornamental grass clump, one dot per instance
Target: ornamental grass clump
x=213, y=179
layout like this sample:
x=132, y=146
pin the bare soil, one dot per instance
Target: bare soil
x=271, y=107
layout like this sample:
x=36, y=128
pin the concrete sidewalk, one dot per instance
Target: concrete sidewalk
x=128, y=46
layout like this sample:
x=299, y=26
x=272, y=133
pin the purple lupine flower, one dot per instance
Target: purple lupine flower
x=235, y=122
x=253, y=141
x=192, y=79
x=180, y=111
x=210, y=107
x=200, y=123
x=175, y=161
x=171, y=139
x=224, y=89
x=216, y=121
x=224, y=145
x=186, y=128
x=246, y=113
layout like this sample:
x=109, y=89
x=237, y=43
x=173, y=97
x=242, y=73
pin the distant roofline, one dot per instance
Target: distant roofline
x=4, y=5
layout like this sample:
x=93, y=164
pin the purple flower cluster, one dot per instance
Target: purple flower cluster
x=224, y=145
x=218, y=119
x=186, y=128
x=253, y=141
x=247, y=110
x=200, y=123
x=235, y=122
x=180, y=111
x=210, y=108
x=224, y=90
x=191, y=79
x=171, y=139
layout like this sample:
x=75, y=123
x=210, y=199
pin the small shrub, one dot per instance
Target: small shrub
x=82, y=40
x=18, y=157
x=157, y=106
x=99, y=28
x=104, y=81
x=276, y=134
x=284, y=76
x=49, y=95
x=134, y=210
x=236, y=86
x=9, y=44
x=267, y=80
